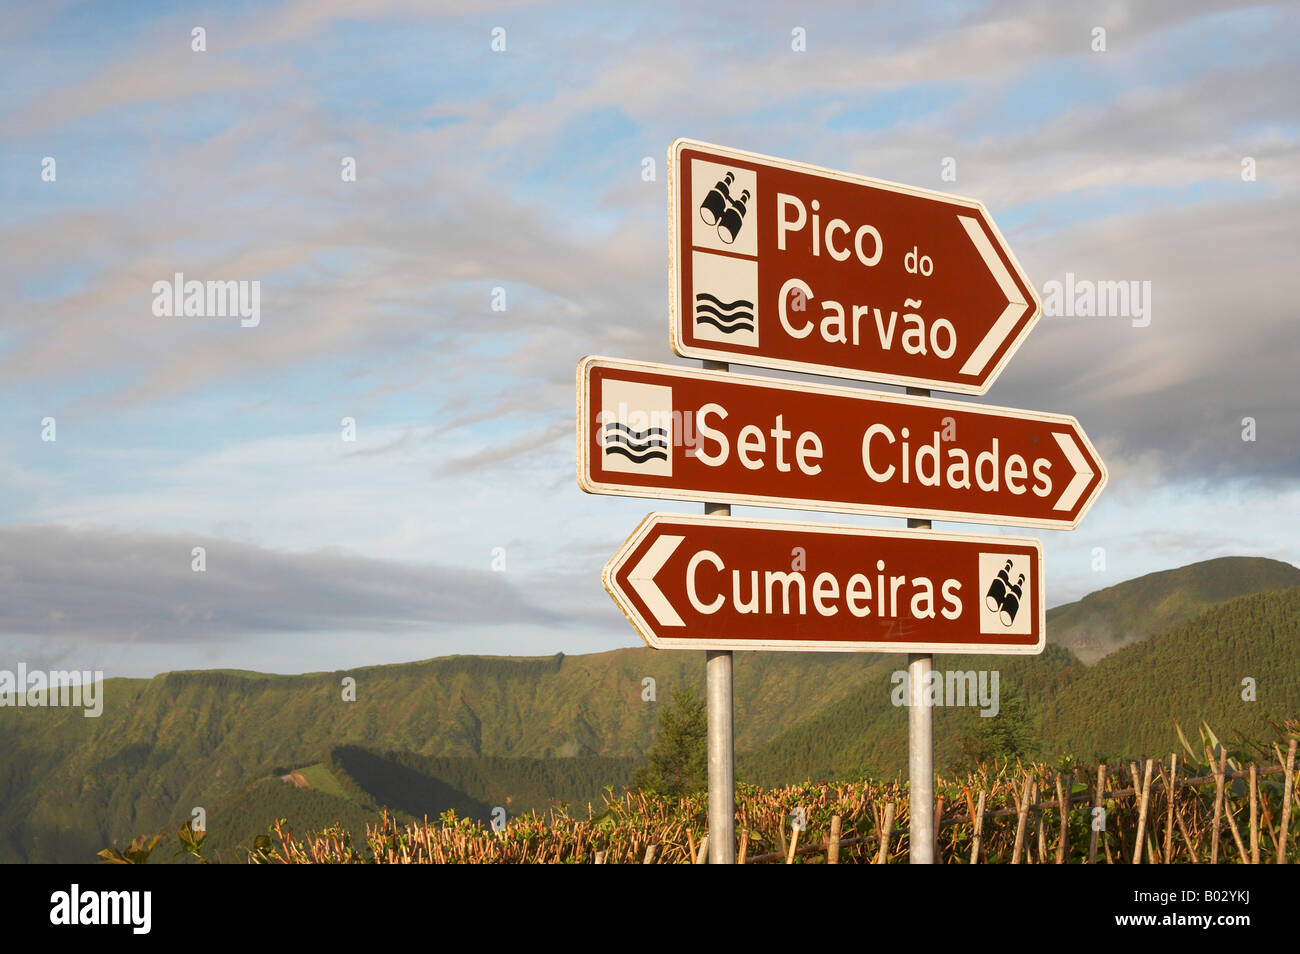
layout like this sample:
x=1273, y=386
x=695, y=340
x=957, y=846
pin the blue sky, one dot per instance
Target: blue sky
x=522, y=169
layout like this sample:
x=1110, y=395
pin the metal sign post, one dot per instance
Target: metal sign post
x=920, y=743
x=920, y=762
x=721, y=734
x=722, y=780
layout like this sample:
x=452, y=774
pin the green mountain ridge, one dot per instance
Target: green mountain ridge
x=1109, y=619
x=182, y=740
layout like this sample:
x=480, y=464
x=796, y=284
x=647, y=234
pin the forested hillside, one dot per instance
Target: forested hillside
x=181, y=740
x=1128, y=612
x=1129, y=702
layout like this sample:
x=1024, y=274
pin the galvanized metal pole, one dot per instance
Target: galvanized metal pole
x=920, y=744
x=722, y=778
x=722, y=795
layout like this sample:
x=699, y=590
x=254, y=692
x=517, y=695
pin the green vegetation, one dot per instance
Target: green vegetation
x=1005, y=737
x=473, y=733
x=320, y=778
x=864, y=735
x=235, y=822
x=1132, y=701
x=678, y=764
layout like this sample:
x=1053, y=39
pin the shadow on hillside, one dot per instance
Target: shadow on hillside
x=404, y=789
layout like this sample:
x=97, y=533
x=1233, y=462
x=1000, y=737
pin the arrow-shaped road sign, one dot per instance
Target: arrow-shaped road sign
x=652, y=430
x=785, y=265
x=698, y=582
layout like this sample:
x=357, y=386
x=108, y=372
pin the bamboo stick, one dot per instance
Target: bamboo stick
x=833, y=846
x=1030, y=827
x=1187, y=839
x=1116, y=818
x=1022, y=809
x=1266, y=819
x=794, y=840
x=744, y=846
x=979, y=831
x=886, y=827
x=1286, y=801
x=702, y=855
x=1040, y=824
x=1092, y=822
x=1142, y=813
x=1236, y=834
x=1218, y=801
x=1232, y=822
x=938, y=821
x=1063, y=841
x=1171, y=792
x=1254, y=816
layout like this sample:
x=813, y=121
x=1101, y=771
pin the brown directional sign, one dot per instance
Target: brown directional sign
x=784, y=265
x=652, y=430
x=697, y=582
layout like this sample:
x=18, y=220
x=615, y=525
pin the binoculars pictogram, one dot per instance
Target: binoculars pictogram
x=720, y=209
x=1004, y=596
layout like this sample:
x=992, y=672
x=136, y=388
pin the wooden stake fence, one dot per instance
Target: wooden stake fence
x=1158, y=848
x=863, y=822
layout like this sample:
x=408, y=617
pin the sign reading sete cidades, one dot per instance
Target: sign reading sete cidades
x=784, y=265
x=653, y=430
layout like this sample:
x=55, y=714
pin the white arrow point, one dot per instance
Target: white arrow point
x=642, y=579
x=1016, y=304
x=1083, y=473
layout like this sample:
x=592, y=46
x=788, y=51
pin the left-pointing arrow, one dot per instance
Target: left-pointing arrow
x=642, y=578
x=676, y=547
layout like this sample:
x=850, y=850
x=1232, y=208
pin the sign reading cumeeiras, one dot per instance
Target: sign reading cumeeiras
x=783, y=265
x=719, y=583
x=653, y=430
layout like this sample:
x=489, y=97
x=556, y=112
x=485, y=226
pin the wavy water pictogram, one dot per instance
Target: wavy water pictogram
x=727, y=316
x=725, y=329
x=705, y=297
x=636, y=446
x=636, y=458
x=638, y=436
